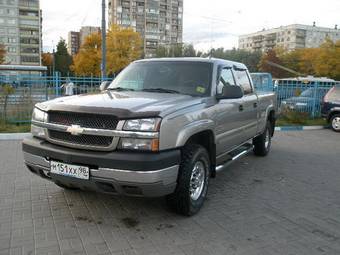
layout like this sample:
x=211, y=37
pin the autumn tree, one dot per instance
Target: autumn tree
x=265, y=66
x=63, y=60
x=327, y=62
x=88, y=59
x=123, y=46
x=47, y=60
x=2, y=54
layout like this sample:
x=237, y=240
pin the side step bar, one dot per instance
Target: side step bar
x=235, y=155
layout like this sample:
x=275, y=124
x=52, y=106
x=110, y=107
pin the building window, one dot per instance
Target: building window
x=11, y=49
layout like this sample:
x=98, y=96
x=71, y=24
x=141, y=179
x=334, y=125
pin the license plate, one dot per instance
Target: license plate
x=79, y=172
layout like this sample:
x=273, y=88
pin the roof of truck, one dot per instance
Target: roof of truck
x=204, y=60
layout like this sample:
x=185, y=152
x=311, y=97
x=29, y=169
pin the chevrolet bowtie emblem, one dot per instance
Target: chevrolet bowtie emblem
x=75, y=130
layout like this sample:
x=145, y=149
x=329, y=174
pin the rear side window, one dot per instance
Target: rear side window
x=242, y=80
x=334, y=94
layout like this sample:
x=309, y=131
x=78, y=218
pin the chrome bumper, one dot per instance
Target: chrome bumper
x=133, y=183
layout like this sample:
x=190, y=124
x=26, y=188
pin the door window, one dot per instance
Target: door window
x=242, y=80
x=226, y=79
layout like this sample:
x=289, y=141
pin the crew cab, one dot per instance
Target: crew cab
x=163, y=127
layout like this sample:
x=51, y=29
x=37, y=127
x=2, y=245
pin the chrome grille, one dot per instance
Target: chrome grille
x=82, y=140
x=84, y=120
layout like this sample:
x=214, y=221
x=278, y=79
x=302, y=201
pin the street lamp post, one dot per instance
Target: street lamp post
x=103, y=65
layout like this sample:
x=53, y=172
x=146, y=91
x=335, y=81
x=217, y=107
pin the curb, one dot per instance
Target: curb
x=299, y=128
x=14, y=137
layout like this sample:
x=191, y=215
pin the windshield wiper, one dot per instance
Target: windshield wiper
x=121, y=89
x=161, y=90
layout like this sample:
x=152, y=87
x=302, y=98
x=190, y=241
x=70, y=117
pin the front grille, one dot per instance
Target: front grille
x=85, y=140
x=84, y=120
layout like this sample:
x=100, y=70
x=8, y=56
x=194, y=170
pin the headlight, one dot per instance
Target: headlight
x=139, y=144
x=142, y=125
x=301, y=104
x=39, y=115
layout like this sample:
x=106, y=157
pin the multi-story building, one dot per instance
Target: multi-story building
x=289, y=37
x=76, y=39
x=73, y=43
x=86, y=31
x=159, y=22
x=20, y=31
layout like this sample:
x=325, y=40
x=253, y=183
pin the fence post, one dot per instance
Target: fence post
x=316, y=85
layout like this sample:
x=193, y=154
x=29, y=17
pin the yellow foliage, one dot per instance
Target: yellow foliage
x=123, y=46
x=2, y=54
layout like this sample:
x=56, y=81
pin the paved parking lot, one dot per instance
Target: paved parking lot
x=287, y=203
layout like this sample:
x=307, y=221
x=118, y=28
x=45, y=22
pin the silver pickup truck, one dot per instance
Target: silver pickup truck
x=163, y=127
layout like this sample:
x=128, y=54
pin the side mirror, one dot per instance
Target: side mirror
x=104, y=85
x=231, y=92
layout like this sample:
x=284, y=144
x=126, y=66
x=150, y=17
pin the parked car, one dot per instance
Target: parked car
x=303, y=103
x=331, y=108
x=162, y=128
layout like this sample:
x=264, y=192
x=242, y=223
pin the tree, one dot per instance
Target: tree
x=2, y=54
x=264, y=66
x=176, y=50
x=88, y=59
x=123, y=46
x=63, y=60
x=47, y=60
x=327, y=62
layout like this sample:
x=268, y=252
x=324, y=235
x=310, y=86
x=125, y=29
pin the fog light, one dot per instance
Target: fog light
x=37, y=131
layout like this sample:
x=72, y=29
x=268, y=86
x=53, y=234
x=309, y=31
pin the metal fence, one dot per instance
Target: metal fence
x=29, y=90
x=305, y=97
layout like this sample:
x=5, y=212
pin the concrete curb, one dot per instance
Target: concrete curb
x=299, y=128
x=14, y=137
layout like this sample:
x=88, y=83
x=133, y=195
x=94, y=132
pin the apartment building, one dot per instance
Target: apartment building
x=290, y=37
x=159, y=22
x=73, y=42
x=20, y=31
x=76, y=39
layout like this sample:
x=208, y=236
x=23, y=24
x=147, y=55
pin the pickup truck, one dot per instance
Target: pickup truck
x=163, y=127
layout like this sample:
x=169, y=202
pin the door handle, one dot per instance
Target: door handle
x=255, y=105
x=241, y=108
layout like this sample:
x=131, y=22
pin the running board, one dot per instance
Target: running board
x=235, y=155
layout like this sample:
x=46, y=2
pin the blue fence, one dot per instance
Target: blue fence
x=306, y=97
x=31, y=89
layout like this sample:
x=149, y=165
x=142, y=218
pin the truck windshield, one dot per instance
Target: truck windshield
x=189, y=78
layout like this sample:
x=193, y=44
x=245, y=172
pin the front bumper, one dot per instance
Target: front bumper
x=126, y=173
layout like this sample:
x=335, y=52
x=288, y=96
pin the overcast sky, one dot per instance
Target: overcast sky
x=207, y=23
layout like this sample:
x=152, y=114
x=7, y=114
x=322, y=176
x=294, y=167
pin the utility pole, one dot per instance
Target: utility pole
x=103, y=65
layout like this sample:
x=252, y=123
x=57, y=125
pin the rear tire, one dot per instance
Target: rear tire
x=335, y=122
x=192, y=182
x=262, y=143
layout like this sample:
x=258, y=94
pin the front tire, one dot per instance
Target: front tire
x=262, y=143
x=335, y=122
x=193, y=181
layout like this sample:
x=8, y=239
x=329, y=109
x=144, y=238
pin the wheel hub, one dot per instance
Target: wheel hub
x=197, y=180
x=336, y=123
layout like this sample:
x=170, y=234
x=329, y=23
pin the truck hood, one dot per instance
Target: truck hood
x=122, y=104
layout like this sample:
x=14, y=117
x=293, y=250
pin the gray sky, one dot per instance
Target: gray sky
x=207, y=23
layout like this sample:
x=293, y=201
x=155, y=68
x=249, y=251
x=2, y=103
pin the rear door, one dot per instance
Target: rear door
x=229, y=126
x=249, y=104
